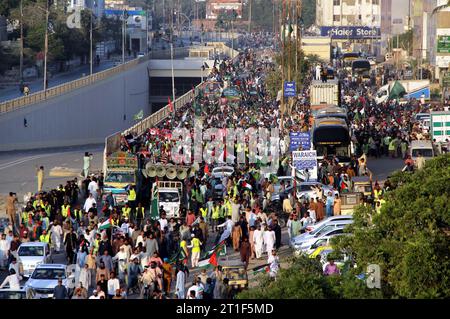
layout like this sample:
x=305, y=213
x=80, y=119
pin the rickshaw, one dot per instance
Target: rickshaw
x=236, y=274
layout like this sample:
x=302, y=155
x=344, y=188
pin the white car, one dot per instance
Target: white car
x=33, y=254
x=328, y=220
x=299, y=240
x=327, y=231
x=221, y=171
x=307, y=190
x=310, y=246
x=45, y=278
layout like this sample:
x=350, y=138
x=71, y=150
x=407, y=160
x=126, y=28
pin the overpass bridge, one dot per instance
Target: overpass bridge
x=87, y=110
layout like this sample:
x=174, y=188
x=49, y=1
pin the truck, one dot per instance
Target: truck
x=325, y=93
x=409, y=89
x=120, y=173
x=168, y=195
x=440, y=126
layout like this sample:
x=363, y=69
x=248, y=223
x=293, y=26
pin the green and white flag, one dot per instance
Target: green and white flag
x=139, y=116
x=105, y=225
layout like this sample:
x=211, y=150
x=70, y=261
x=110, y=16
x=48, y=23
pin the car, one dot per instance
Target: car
x=307, y=190
x=222, y=171
x=32, y=254
x=310, y=247
x=45, y=278
x=303, y=238
x=328, y=220
x=278, y=194
x=8, y=293
x=140, y=54
x=327, y=231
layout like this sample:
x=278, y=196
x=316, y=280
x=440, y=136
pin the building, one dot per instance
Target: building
x=320, y=46
x=394, y=20
x=441, y=49
x=348, y=13
x=97, y=6
x=215, y=7
x=351, y=24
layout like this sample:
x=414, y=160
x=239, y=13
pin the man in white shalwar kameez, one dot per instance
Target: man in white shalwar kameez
x=122, y=259
x=180, y=285
x=56, y=234
x=85, y=276
x=258, y=240
x=269, y=240
x=4, y=247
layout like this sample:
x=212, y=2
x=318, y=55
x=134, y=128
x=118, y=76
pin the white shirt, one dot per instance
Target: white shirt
x=228, y=224
x=93, y=187
x=113, y=285
x=13, y=281
x=163, y=222
x=94, y=297
x=89, y=203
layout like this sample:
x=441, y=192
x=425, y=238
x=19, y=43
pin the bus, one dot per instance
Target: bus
x=361, y=68
x=331, y=137
x=348, y=58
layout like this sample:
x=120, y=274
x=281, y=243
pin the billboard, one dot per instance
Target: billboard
x=350, y=32
x=305, y=160
x=298, y=139
x=443, y=45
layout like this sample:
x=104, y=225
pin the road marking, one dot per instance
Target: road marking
x=22, y=160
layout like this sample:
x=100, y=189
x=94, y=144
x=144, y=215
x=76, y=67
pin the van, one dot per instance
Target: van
x=424, y=147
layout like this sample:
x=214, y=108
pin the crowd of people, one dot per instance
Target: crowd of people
x=120, y=251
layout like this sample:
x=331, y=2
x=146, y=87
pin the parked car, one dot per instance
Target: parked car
x=309, y=247
x=327, y=231
x=309, y=190
x=328, y=220
x=297, y=241
x=33, y=254
x=45, y=278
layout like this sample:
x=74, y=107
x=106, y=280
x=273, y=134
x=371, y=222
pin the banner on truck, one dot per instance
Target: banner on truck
x=298, y=139
x=306, y=160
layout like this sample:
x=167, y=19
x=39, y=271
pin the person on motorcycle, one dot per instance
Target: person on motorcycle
x=152, y=276
x=134, y=272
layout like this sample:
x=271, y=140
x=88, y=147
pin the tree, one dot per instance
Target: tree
x=409, y=239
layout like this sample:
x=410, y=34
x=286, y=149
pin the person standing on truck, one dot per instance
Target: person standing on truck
x=420, y=161
x=86, y=163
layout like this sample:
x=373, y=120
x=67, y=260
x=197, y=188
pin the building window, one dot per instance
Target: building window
x=376, y=2
x=336, y=18
x=337, y=2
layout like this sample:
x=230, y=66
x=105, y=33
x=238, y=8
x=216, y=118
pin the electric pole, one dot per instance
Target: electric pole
x=250, y=16
x=46, y=45
x=21, y=42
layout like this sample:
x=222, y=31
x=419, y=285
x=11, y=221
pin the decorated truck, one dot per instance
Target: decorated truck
x=120, y=174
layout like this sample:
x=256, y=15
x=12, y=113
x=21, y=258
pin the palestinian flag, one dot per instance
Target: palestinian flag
x=209, y=262
x=247, y=185
x=261, y=269
x=216, y=249
x=105, y=225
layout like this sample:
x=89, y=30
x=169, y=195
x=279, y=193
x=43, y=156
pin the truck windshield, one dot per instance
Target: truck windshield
x=119, y=177
x=168, y=197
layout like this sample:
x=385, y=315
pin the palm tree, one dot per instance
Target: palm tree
x=441, y=7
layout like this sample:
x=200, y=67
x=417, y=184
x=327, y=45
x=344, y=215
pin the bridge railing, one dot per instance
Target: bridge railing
x=17, y=103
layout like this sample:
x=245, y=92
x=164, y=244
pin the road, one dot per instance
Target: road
x=18, y=169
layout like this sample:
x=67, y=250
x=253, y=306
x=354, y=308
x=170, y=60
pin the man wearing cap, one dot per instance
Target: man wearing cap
x=196, y=248
x=95, y=295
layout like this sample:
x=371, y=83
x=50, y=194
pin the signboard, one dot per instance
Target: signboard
x=443, y=61
x=350, y=32
x=121, y=160
x=124, y=12
x=305, y=160
x=298, y=139
x=443, y=44
x=290, y=89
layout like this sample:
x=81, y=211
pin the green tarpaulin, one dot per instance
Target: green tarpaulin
x=397, y=91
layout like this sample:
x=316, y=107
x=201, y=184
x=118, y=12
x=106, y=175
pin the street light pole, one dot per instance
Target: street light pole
x=90, y=46
x=21, y=41
x=46, y=46
x=123, y=36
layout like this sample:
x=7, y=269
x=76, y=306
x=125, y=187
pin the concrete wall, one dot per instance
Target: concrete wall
x=81, y=117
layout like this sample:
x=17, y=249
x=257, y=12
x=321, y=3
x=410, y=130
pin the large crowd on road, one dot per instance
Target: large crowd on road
x=120, y=251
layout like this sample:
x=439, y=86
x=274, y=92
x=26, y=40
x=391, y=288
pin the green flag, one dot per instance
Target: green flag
x=139, y=116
